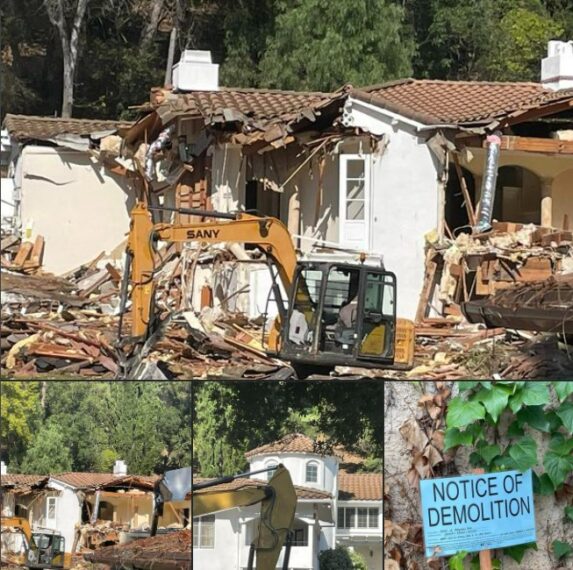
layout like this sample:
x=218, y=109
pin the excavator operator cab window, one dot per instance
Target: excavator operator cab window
x=302, y=320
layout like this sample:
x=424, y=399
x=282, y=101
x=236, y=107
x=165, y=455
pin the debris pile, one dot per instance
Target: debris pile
x=22, y=256
x=170, y=551
x=475, y=267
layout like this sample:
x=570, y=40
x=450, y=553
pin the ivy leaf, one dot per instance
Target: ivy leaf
x=531, y=394
x=517, y=552
x=462, y=413
x=463, y=386
x=515, y=429
x=563, y=389
x=561, y=549
x=456, y=562
x=494, y=400
x=543, y=484
x=569, y=513
x=524, y=453
x=565, y=413
x=489, y=452
x=561, y=445
x=455, y=437
x=535, y=417
x=557, y=466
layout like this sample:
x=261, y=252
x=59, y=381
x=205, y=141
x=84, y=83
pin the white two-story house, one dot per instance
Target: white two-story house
x=334, y=507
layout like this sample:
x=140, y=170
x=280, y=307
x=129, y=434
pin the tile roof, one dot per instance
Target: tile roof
x=17, y=480
x=454, y=102
x=359, y=486
x=29, y=127
x=301, y=492
x=96, y=480
x=291, y=443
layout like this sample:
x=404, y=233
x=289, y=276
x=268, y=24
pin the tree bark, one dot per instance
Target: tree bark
x=70, y=46
x=150, y=29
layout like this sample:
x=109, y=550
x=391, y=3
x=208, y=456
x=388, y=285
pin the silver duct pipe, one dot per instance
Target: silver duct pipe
x=488, y=183
x=156, y=146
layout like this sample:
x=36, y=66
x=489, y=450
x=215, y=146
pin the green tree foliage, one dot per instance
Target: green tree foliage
x=322, y=44
x=87, y=426
x=19, y=410
x=49, y=452
x=340, y=558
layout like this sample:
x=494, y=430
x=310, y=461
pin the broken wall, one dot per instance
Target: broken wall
x=75, y=203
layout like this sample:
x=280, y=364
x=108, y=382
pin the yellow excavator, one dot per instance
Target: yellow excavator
x=334, y=314
x=42, y=549
x=278, y=505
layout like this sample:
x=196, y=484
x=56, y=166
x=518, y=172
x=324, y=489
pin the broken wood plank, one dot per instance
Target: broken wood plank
x=467, y=200
x=37, y=252
x=9, y=242
x=427, y=289
x=23, y=254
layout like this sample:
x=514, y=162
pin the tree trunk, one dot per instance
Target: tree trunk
x=150, y=29
x=68, y=88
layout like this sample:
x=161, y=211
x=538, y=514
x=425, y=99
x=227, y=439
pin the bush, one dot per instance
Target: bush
x=341, y=558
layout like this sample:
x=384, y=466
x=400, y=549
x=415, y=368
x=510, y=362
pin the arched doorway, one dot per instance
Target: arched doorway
x=517, y=196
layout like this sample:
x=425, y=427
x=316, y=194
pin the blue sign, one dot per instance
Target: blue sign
x=477, y=512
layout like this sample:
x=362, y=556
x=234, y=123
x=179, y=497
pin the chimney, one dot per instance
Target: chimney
x=3, y=468
x=557, y=67
x=195, y=72
x=120, y=468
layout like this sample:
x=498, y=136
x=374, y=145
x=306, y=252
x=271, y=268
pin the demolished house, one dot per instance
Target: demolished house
x=390, y=174
x=90, y=510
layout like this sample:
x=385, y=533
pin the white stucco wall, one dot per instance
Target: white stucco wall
x=79, y=207
x=228, y=178
x=296, y=465
x=68, y=512
x=405, y=204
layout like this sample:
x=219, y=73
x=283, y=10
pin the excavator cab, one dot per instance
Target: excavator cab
x=46, y=551
x=341, y=315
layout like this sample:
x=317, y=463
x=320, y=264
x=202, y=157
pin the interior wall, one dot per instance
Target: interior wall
x=80, y=208
x=562, y=198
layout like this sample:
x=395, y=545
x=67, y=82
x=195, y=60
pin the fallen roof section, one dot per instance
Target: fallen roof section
x=170, y=551
x=539, y=306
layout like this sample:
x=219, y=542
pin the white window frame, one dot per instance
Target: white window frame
x=268, y=464
x=51, y=520
x=343, y=221
x=200, y=521
x=315, y=464
x=371, y=513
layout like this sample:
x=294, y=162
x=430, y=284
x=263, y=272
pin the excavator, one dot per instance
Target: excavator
x=42, y=549
x=278, y=505
x=334, y=314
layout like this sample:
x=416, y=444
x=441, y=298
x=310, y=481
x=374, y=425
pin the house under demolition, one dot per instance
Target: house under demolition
x=89, y=510
x=393, y=174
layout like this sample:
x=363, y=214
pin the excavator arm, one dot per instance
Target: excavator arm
x=268, y=233
x=19, y=523
x=278, y=505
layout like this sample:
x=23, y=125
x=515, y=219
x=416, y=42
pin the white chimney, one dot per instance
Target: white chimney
x=3, y=468
x=120, y=468
x=196, y=72
x=557, y=67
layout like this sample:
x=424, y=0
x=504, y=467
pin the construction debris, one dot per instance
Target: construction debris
x=170, y=551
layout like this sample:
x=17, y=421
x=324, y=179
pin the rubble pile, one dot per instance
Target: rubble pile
x=473, y=267
x=23, y=256
x=169, y=551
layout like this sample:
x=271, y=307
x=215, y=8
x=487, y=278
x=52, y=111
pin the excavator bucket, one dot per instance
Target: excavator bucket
x=277, y=518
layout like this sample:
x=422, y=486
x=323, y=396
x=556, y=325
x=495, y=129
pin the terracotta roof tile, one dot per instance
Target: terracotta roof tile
x=29, y=127
x=453, y=102
x=359, y=486
x=17, y=480
x=93, y=480
x=291, y=443
x=301, y=492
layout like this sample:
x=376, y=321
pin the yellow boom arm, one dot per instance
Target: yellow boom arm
x=268, y=233
x=278, y=505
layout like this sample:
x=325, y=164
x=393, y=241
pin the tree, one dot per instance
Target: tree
x=341, y=558
x=49, y=452
x=323, y=44
x=69, y=32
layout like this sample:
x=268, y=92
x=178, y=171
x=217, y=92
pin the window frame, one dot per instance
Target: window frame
x=315, y=464
x=200, y=522
x=343, y=180
x=54, y=502
x=350, y=518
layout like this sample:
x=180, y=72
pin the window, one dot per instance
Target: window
x=360, y=517
x=311, y=475
x=51, y=510
x=354, y=206
x=270, y=465
x=300, y=534
x=204, y=532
